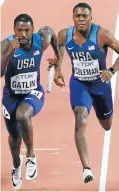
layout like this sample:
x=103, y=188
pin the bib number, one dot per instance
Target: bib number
x=24, y=82
x=86, y=70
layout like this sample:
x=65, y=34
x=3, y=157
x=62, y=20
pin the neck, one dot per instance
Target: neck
x=26, y=47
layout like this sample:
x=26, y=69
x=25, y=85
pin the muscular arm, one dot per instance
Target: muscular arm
x=5, y=56
x=49, y=38
x=61, y=43
x=58, y=78
x=111, y=42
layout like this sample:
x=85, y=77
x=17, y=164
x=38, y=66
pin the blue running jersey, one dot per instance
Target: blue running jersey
x=23, y=70
x=87, y=60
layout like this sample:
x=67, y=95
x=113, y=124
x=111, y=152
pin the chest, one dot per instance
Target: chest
x=26, y=60
x=25, y=63
x=81, y=55
x=87, y=52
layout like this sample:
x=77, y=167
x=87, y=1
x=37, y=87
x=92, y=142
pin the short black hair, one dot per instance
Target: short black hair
x=84, y=5
x=23, y=18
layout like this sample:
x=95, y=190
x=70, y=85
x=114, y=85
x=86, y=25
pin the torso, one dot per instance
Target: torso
x=23, y=73
x=87, y=57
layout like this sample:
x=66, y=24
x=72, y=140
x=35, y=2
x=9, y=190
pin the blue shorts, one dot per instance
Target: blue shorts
x=11, y=102
x=88, y=94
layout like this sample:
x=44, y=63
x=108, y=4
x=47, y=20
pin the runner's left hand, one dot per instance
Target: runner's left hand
x=106, y=75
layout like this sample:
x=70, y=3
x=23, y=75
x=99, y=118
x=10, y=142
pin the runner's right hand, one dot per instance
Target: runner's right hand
x=58, y=78
x=51, y=61
x=13, y=45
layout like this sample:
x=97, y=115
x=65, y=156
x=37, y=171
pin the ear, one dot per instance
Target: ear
x=91, y=15
x=33, y=28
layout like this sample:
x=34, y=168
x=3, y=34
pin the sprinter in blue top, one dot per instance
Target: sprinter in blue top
x=23, y=95
x=86, y=44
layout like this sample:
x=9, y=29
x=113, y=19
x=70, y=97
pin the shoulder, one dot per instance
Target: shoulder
x=47, y=34
x=45, y=30
x=5, y=41
x=104, y=32
x=106, y=38
x=62, y=35
x=4, y=45
x=62, y=32
x=105, y=35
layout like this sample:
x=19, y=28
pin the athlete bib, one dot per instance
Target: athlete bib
x=86, y=70
x=23, y=83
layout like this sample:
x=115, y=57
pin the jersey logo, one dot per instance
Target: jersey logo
x=25, y=63
x=36, y=52
x=6, y=113
x=69, y=48
x=17, y=55
x=92, y=47
x=108, y=113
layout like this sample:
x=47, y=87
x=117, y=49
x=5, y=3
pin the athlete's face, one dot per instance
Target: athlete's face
x=82, y=19
x=24, y=31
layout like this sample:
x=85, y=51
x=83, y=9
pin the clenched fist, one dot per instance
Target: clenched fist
x=13, y=45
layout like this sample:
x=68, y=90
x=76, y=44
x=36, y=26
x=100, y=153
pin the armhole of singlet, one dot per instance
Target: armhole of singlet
x=97, y=34
x=94, y=34
x=37, y=41
x=10, y=38
x=69, y=34
x=105, y=47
